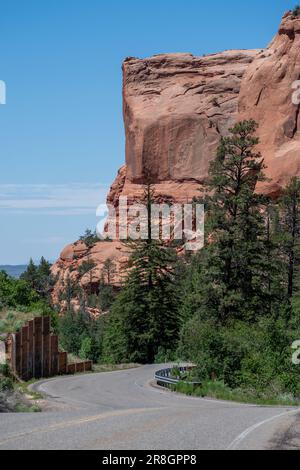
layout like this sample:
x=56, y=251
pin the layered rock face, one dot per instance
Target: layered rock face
x=266, y=96
x=178, y=106
x=70, y=260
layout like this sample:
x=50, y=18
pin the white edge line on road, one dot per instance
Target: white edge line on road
x=235, y=443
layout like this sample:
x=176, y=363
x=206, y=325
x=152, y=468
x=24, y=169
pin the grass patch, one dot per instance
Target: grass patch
x=12, y=320
x=14, y=395
x=113, y=367
x=72, y=357
x=22, y=408
x=103, y=367
x=23, y=387
x=220, y=391
x=6, y=384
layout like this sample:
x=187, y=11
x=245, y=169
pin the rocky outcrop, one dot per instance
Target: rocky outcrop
x=177, y=107
x=266, y=96
x=73, y=256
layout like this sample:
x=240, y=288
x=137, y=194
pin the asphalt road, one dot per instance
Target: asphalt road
x=121, y=410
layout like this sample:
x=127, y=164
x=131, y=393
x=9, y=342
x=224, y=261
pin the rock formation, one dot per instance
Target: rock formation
x=176, y=108
x=266, y=96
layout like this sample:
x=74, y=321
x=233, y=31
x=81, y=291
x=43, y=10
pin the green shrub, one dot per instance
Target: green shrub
x=165, y=355
x=73, y=328
x=221, y=391
x=249, y=357
x=18, y=325
x=106, y=296
x=296, y=11
x=89, y=238
x=14, y=292
x=23, y=408
x=6, y=384
x=175, y=372
x=86, y=348
x=4, y=370
x=81, y=335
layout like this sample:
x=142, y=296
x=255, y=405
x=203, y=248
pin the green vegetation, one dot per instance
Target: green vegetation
x=234, y=305
x=12, y=320
x=24, y=388
x=89, y=238
x=296, y=11
x=39, y=278
x=233, y=308
x=81, y=335
x=15, y=292
x=6, y=382
x=21, y=299
x=112, y=367
x=240, y=316
x=86, y=267
x=24, y=408
x=13, y=395
x=34, y=286
x=220, y=391
x=144, y=316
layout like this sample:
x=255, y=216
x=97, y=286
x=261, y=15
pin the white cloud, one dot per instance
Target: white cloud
x=47, y=199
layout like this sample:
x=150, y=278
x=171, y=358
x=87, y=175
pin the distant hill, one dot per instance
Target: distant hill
x=14, y=271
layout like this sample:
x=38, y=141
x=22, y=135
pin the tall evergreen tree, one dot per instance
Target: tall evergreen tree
x=31, y=274
x=45, y=281
x=237, y=266
x=69, y=291
x=87, y=267
x=290, y=230
x=39, y=278
x=44, y=268
x=108, y=271
x=145, y=315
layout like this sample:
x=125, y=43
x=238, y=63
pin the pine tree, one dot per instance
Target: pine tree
x=145, y=315
x=31, y=274
x=73, y=328
x=89, y=238
x=69, y=292
x=87, y=267
x=108, y=271
x=44, y=268
x=45, y=281
x=106, y=295
x=290, y=230
x=106, y=289
x=39, y=278
x=237, y=266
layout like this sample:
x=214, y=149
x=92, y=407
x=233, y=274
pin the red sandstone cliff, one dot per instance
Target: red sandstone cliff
x=266, y=96
x=177, y=106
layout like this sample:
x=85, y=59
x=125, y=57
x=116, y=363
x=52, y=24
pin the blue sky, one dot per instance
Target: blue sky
x=61, y=130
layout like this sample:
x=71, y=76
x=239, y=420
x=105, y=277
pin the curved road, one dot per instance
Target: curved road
x=121, y=410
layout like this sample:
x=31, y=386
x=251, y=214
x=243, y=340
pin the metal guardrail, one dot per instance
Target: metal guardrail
x=163, y=376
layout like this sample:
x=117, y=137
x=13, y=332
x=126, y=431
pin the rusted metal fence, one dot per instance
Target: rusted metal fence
x=33, y=352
